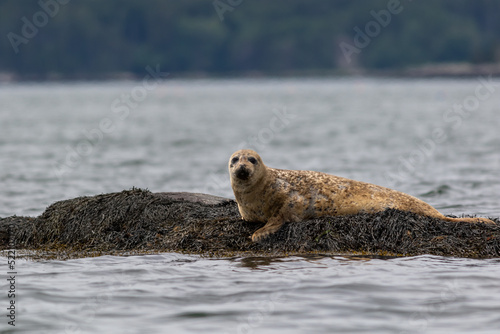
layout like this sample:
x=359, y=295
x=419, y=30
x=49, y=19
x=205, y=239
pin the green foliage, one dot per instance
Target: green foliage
x=97, y=37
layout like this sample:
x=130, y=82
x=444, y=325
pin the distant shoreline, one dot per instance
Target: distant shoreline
x=445, y=70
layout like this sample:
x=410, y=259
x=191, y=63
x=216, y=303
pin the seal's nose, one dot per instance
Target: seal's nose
x=242, y=173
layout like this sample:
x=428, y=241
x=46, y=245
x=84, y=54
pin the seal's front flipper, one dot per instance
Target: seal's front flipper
x=272, y=226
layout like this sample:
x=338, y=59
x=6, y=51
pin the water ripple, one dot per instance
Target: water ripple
x=180, y=139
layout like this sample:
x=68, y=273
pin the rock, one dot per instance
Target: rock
x=138, y=221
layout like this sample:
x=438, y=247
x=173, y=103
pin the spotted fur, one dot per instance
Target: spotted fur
x=276, y=196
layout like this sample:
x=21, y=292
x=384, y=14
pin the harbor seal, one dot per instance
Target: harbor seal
x=276, y=196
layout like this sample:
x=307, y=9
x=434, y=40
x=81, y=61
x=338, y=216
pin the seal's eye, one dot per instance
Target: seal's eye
x=234, y=160
x=252, y=160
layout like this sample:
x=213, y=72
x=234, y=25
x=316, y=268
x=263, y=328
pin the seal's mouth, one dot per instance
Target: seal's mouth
x=242, y=173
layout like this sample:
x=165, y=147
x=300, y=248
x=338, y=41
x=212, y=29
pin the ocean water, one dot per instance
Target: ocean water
x=435, y=139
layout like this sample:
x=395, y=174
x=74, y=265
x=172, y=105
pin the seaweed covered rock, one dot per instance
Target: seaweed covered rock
x=140, y=221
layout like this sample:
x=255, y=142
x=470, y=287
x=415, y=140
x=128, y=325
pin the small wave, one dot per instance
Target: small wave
x=441, y=190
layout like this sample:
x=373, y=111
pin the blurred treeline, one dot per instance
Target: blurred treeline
x=91, y=37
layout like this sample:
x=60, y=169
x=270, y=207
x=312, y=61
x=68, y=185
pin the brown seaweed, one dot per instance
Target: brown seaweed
x=138, y=221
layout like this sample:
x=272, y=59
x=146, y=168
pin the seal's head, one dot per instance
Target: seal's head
x=246, y=168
